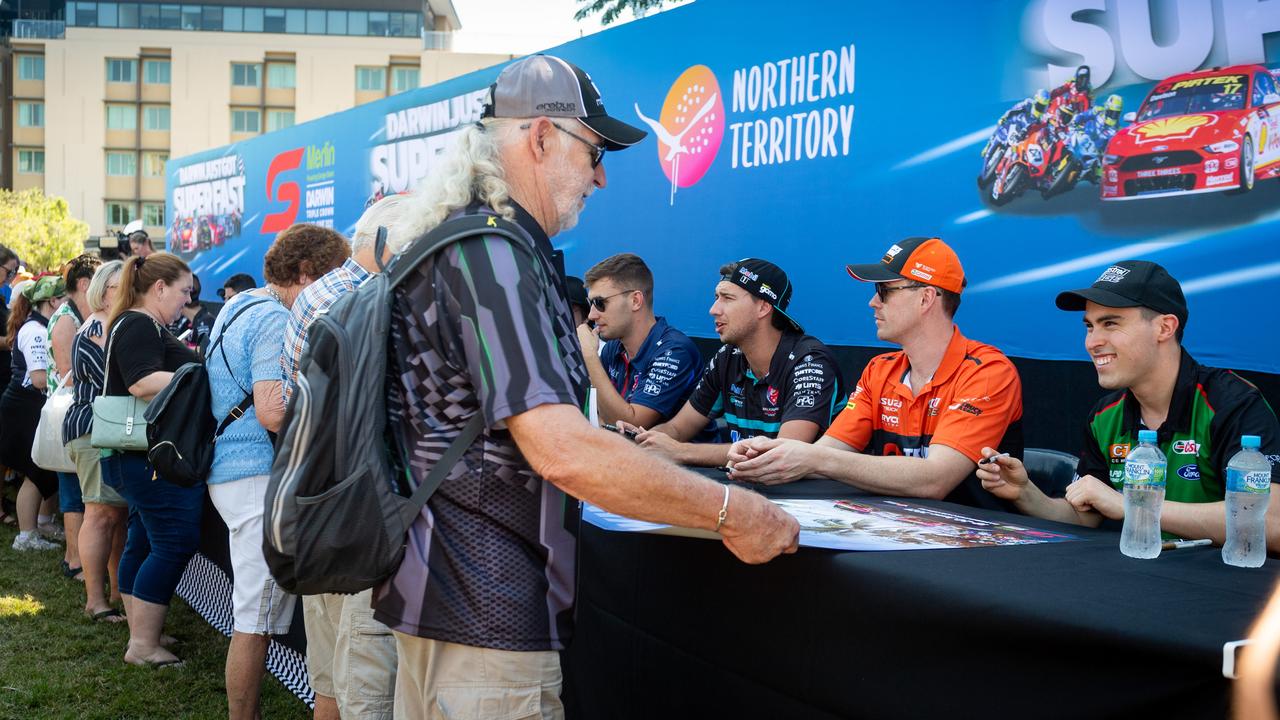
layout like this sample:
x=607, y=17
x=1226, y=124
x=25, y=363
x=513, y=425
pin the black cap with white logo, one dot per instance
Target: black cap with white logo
x=766, y=281
x=541, y=85
x=1132, y=283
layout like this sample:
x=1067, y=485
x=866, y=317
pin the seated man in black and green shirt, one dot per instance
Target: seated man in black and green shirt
x=1134, y=316
x=768, y=378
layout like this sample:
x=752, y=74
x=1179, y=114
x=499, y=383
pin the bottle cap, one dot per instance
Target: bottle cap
x=1250, y=441
x=1147, y=436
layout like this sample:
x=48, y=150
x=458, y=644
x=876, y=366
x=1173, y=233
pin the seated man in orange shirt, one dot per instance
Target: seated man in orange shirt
x=916, y=423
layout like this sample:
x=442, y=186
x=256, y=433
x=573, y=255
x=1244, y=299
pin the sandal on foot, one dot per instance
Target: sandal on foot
x=110, y=616
x=71, y=572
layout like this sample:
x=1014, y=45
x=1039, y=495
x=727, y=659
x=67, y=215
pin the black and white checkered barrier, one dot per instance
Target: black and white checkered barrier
x=207, y=589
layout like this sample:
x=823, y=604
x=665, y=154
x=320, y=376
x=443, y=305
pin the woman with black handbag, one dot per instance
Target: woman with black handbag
x=22, y=401
x=164, y=519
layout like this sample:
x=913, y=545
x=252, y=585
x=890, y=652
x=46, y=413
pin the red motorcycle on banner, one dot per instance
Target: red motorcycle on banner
x=1027, y=162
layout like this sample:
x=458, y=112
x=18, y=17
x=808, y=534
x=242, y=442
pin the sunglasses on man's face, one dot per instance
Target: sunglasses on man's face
x=884, y=290
x=601, y=302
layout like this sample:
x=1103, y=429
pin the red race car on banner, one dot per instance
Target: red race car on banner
x=1198, y=132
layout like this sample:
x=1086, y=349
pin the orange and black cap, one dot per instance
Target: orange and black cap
x=919, y=259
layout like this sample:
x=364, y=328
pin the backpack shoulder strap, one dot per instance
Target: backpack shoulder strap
x=441, y=469
x=449, y=232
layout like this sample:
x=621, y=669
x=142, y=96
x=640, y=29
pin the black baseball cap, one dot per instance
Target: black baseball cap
x=1132, y=283
x=766, y=281
x=541, y=85
x=576, y=291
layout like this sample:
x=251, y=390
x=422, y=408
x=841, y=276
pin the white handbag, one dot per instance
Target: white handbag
x=48, y=450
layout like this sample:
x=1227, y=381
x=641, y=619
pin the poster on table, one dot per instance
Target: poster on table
x=817, y=134
x=867, y=524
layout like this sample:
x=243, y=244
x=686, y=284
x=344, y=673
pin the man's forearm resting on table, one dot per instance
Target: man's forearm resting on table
x=932, y=477
x=611, y=472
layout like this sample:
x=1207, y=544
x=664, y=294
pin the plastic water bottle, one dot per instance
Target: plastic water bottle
x=1248, y=490
x=1144, y=471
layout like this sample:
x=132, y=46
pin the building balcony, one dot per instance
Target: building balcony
x=39, y=29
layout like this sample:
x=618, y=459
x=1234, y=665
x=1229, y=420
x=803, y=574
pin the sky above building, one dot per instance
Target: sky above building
x=521, y=26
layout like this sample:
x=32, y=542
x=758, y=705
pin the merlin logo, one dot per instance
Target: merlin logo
x=558, y=107
x=690, y=128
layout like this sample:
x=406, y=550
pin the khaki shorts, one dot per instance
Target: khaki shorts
x=350, y=656
x=441, y=680
x=89, y=468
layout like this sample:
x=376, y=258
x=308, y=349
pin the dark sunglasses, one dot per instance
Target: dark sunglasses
x=884, y=290
x=601, y=302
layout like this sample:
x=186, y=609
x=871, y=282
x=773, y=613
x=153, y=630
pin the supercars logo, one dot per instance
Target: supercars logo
x=1173, y=128
x=690, y=128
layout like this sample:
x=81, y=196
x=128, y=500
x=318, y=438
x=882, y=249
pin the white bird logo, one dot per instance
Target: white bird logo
x=675, y=142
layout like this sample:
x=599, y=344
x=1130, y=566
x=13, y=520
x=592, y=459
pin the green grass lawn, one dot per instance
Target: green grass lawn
x=56, y=663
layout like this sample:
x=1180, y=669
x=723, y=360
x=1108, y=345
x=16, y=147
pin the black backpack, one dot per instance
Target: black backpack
x=180, y=424
x=333, y=520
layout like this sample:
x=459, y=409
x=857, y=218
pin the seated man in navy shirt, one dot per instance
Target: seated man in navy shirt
x=768, y=379
x=648, y=368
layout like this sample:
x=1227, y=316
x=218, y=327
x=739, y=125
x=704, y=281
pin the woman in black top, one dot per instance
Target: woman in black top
x=22, y=401
x=164, y=525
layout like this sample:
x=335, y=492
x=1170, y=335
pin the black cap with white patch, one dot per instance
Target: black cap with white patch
x=1132, y=283
x=545, y=85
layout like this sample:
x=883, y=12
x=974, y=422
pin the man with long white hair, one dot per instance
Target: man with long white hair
x=351, y=658
x=482, y=602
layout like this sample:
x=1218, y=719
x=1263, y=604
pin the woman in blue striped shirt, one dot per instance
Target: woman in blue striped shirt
x=102, y=534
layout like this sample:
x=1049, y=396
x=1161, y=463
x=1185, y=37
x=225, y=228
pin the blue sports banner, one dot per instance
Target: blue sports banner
x=1042, y=140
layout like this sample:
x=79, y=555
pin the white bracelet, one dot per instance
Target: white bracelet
x=724, y=510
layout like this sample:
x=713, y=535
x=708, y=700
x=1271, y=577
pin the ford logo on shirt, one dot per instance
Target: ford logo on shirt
x=1189, y=472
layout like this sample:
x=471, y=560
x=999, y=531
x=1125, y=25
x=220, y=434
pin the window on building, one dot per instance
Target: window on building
x=246, y=121
x=156, y=72
x=254, y=19
x=120, y=213
x=129, y=17
x=170, y=17
x=122, y=71
x=153, y=163
x=31, y=67
x=107, y=14
x=246, y=74
x=153, y=214
x=211, y=18
x=403, y=78
x=85, y=14
x=371, y=78
x=279, y=120
x=378, y=24
x=315, y=22
x=31, y=162
x=190, y=17
x=31, y=114
x=122, y=117
x=273, y=20
x=395, y=24
x=282, y=76
x=149, y=17
x=233, y=19
x=337, y=24
x=357, y=22
x=155, y=118
x=122, y=164
x=295, y=21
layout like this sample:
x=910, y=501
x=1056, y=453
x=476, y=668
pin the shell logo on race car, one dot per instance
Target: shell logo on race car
x=1173, y=128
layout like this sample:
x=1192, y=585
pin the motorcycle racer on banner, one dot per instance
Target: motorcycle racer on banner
x=1089, y=134
x=1074, y=92
x=1012, y=124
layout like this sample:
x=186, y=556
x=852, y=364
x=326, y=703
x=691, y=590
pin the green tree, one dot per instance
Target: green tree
x=40, y=229
x=610, y=9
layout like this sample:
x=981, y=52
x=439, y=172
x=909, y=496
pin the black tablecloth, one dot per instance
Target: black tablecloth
x=673, y=627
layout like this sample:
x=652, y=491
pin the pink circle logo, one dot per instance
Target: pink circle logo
x=690, y=128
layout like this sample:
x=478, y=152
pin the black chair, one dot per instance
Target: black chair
x=1051, y=470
